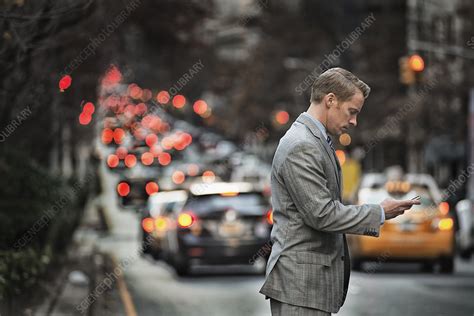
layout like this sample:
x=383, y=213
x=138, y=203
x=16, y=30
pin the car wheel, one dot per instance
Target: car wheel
x=356, y=264
x=465, y=254
x=156, y=254
x=446, y=265
x=427, y=267
x=145, y=245
x=182, y=268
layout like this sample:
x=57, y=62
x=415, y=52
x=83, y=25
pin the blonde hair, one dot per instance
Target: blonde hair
x=339, y=81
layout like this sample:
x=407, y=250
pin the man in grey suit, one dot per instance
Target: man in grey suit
x=309, y=266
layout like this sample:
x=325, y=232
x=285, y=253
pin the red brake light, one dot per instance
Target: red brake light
x=444, y=208
x=269, y=216
x=151, y=188
x=148, y=225
x=123, y=189
x=130, y=160
x=186, y=220
x=112, y=161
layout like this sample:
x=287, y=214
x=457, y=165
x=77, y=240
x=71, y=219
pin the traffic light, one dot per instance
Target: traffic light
x=416, y=63
x=407, y=75
x=411, y=69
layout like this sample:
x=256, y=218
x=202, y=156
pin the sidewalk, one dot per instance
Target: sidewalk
x=79, y=287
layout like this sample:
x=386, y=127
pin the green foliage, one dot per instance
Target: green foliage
x=38, y=215
x=20, y=270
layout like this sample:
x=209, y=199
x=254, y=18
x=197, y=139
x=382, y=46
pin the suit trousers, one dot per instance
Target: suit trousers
x=283, y=309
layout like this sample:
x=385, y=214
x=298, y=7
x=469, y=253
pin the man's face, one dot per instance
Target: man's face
x=342, y=115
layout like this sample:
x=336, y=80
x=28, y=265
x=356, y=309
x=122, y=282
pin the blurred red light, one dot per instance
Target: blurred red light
x=200, y=107
x=179, y=101
x=208, y=176
x=123, y=189
x=187, y=138
x=135, y=91
x=65, y=83
x=112, y=161
x=148, y=225
x=151, y=188
x=193, y=170
x=444, y=208
x=282, y=117
x=146, y=121
x=140, y=133
x=147, y=158
x=269, y=217
x=129, y=110
x=178, y=177
x=164, y=159
x=118, y=135
x=84, y=118
x=112, y=76
x=130, y=160
x=140, y=109
x=151, y=139
x=163, y=97
x=416, y=63
x=88, y=108
x=341, y=156
x=107, y=135
x=167, y=143
x=121, y=152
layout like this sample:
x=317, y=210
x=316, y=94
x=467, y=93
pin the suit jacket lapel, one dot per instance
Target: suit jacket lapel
x=316, y=132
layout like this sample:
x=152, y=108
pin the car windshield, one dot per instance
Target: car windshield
x=242, y=202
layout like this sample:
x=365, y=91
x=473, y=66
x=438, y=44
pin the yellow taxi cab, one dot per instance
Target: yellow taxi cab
x=424, y=234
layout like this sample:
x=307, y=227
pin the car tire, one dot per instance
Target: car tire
x=182, y=268
x=427, y=267
x=146, y=249
x=446, y=265
x=465, y=254
x=356, y=264
x=157, y=255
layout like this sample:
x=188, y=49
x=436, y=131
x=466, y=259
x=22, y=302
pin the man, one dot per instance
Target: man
x=309, y=266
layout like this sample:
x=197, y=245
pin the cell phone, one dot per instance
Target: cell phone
x=416, y=198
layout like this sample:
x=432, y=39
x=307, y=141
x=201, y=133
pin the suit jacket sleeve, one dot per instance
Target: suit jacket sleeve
x=306, y=182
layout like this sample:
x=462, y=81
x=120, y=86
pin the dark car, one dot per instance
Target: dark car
x=134, y=193
x=220, y=223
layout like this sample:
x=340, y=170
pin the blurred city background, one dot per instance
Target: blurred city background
x=136, y=142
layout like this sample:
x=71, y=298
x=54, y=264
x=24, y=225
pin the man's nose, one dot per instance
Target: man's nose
x=353, y=121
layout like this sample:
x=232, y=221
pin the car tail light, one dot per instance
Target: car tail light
x=151, y=188
x=148, y=225
x=444, y=208
x=269, y=216
x=161, y=223
x=123, y=188
x=186, y=220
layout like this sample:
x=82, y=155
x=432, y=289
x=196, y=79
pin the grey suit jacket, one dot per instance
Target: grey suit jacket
x=306, y=265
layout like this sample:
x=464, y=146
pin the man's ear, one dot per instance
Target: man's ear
x=331, y=99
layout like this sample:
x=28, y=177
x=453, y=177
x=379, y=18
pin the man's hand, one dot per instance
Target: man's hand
x=393, y=208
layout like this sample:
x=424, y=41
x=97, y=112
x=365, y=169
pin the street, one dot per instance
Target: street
x=388, y=289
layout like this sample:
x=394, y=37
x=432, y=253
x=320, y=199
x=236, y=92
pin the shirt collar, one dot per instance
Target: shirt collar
x=318, y=124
